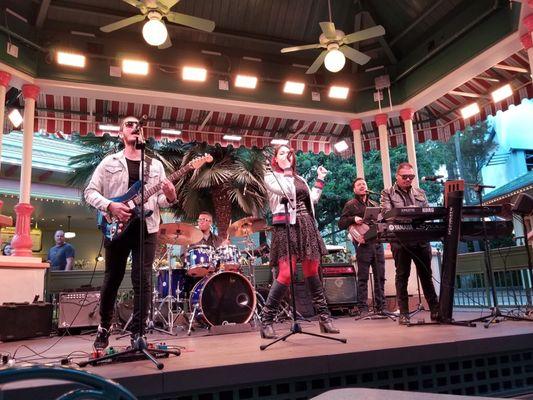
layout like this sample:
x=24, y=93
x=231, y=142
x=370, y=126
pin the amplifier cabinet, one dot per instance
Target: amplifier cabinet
x=78, y=309
x=24, y=320
x=340, y=289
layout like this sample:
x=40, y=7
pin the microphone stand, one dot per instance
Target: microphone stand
x=296, y=327
x=139, y=346
x=495, y=315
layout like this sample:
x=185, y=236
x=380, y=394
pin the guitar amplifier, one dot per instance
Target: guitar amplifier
x=78, y=309
x=340, y=284
x=24, y=320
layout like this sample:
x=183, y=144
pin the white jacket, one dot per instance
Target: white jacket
x=278, y=186
x=110, y=179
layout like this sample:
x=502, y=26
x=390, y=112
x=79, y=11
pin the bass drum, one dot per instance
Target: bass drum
x=223, y=298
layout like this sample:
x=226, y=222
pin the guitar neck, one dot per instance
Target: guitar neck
x=153, y=189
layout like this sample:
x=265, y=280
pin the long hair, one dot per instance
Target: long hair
x=274, y=163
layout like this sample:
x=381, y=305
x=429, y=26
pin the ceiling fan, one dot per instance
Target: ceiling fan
x=154, y=30
x=335, y=41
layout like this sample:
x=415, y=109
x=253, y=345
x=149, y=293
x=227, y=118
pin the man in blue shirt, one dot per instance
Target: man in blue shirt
x=61, y=256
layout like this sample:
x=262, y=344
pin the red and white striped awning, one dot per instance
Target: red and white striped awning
x=60, y=116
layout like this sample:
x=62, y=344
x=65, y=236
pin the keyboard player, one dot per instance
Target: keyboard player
x=403, y=194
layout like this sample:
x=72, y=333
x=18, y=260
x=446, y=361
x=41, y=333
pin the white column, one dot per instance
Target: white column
x=4, y=81
x=527, y=42
x=356, y=125
x=381, y=121
x=407, y=117
x=30, y=93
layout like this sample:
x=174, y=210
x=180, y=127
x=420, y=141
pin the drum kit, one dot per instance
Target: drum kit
x=222, y=293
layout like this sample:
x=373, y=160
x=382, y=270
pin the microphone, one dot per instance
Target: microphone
x=138, y=128
x=431, y=178
x=371, y=192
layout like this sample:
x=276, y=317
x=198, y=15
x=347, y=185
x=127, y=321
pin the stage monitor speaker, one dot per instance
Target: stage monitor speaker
x=523, y=204
x=78, y=309
x=340, y=290
x=24, y=320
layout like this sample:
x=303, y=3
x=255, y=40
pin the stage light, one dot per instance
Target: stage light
x=171, y=131
x=334, y=60
x=71, y=59
x=194, y=74
x=502, y=93
x=69, y=234
x=246, y=81
x=232, y=138
x=279, y=142
x=470, y=110
x=15, y=117
x=154, y=31
x=338, y=92
x=341, y=146
x=135, y=67
x=294, y=87
x=109, y=128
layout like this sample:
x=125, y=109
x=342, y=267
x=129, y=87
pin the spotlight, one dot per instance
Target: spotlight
x=341, y=146
x=470, y=110
x=135, y=67
x=294, y=87
x=246, y=81
x=232, y=138
x=171, y=131
x=194, y=74
x=502, y=93
x=338, y=92
x=71, y=59
x=279, y=142
x=15, y=117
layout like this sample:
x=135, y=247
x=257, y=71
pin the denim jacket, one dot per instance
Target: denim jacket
x=278, y=186
x=110, y=179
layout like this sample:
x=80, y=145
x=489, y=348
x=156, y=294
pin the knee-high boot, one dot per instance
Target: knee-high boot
x=321, y=305
x=270, y=309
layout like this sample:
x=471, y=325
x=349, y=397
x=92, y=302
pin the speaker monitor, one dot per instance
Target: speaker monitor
x=78, y=309
x=22, y=321
x=340, y=290
x=523, y=204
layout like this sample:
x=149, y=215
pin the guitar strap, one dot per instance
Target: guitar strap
x=147, y=165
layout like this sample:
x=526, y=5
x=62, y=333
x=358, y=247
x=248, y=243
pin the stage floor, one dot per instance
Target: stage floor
x=216, y=361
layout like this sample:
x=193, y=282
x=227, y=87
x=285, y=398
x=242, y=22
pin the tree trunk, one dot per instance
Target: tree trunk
x=222, y=205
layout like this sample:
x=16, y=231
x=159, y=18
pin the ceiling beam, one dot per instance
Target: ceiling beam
x=43, y=11
x=511, y=68
x=465, y=94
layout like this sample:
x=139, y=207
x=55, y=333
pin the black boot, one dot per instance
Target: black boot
x=270, y=309
x=321, y=305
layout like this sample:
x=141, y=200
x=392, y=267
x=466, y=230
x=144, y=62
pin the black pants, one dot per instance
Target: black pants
x=370, y=254
x=421, y=255
x=116, y=256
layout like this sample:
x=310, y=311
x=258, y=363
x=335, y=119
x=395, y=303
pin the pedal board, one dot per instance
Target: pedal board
x=127, y=357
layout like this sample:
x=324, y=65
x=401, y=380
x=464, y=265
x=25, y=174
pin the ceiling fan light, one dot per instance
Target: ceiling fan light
x=334, y=60
x=155, y=32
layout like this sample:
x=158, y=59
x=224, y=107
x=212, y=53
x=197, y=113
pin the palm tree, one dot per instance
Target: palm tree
x=230, y=187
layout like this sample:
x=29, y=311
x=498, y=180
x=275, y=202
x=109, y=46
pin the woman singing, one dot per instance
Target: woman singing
x=306, y=245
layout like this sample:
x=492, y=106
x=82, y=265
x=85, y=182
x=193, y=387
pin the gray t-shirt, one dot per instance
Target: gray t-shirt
x=58, y=256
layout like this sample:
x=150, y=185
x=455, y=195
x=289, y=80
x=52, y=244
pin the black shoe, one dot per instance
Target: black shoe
x=102, y=338
x=435, y=315
x=404, y=319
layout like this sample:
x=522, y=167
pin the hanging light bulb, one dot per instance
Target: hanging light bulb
x=154, y=31
x=335, y=59
x=69, y=234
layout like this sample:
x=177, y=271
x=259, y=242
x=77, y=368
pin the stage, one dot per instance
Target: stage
x=379, y=353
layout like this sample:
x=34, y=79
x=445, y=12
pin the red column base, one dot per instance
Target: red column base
x=21, y=242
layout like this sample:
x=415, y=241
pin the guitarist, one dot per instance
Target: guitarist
x=112, y=178
x=368, y=253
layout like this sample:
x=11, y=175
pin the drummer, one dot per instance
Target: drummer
x=205, y=223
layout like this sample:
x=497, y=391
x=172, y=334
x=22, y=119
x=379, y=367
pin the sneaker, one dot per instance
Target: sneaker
x=102, y=338
x=403, y=319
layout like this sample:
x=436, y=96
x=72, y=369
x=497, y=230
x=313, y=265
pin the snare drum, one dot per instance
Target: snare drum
x=199, y=260
x=228, y=258
x=226, y=297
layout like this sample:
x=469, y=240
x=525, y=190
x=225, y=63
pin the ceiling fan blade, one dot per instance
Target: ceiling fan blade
x=328, y=28
x=166, y=44
x=135, y=3
x=167, y=3
x=354, y=55
x=190, y=21
x=122, y=23
x=369, y=33
x=318, y=62
x=298, y=48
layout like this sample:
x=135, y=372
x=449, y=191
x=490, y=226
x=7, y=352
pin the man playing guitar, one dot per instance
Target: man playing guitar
x=113, y=176
x=368, y=253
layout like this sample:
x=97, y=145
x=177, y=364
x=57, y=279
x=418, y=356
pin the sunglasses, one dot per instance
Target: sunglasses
x=406, y=177
x=203, y=220
x=130, y=124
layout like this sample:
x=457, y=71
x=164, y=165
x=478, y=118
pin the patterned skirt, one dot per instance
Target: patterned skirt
x=306, y=242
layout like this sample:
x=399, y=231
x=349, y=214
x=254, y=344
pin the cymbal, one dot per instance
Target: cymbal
x=179, y=233
x=247, y=226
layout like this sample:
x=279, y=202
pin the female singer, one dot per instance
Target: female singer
x=306, y=244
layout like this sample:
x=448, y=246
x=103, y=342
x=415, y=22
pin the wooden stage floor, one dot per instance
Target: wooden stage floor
x=234, y=360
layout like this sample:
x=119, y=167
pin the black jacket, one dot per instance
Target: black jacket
x=354, y=208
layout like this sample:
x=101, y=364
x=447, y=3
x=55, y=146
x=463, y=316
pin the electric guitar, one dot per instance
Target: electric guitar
x=112, y=228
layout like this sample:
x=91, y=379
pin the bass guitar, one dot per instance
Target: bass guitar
x=112, y=228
